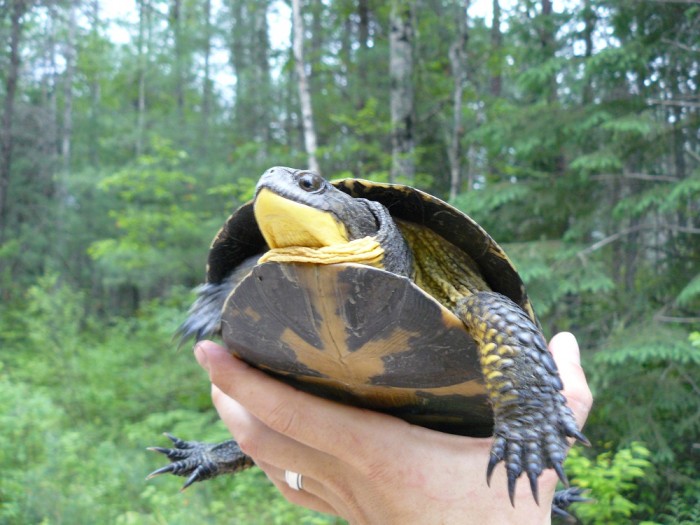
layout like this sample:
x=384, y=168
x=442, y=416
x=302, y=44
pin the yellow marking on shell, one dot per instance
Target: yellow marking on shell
x=351, y=369
x=365, y=251
x=336, y=356
x=284, y=222
x=252, y=314
x=382, y=396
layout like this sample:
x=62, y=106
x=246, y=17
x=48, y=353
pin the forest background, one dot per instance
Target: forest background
x=570, y=131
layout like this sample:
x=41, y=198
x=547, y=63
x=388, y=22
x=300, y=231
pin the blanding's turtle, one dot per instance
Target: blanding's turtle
x=387, y=298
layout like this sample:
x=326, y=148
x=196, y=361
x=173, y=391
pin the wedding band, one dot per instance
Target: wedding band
x=293, y=479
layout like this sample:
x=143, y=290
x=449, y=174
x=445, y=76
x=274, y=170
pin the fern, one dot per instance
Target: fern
x=690, y=292
x=610, y=479
x=681, y=193
x=629, y=126
x=649, y=344
x=599, y=162
x=482, y=202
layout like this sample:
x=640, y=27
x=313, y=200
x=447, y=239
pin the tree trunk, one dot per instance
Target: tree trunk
x=547, y=41
x=363, y=15
x=362, y=59
x=458, y=58
x=176, y=25
x=95, y=96
x=250, y=50
x=17, y=9
x=262, y=86
x=496, y=81
x=69, y=56
x=207, y=85
x=304, y=92
x=144, y=22
x=589, y=21
x=402, y=97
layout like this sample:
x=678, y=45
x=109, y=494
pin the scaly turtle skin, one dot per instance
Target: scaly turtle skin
x=387, y=298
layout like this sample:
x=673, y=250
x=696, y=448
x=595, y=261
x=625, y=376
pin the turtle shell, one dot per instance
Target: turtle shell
x=358, y=334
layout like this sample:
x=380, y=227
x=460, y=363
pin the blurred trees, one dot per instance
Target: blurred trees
x=570, y=133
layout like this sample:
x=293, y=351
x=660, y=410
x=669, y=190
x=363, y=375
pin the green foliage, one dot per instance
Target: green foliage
x=28, y=429
x=582, y=161
x=599, y=162
x=156, y=221
x=610, y=480
x=79, y=403
x=360, y=152
x=684, y=508
x=645, y=386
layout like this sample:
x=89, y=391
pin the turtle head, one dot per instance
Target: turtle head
x=304, y=218
x=300, y=208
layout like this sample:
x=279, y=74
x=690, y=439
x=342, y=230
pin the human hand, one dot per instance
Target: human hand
x=368, y=467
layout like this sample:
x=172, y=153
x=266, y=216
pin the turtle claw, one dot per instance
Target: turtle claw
x=162, y=470
x=528, y=449
x=512, y=480
x=561, y=474
x=564, y=498
x=197, y=475
x=533, y=477
x=200, y=461
x=497, y=454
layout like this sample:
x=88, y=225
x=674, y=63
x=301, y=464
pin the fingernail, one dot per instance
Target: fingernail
x=201, y=355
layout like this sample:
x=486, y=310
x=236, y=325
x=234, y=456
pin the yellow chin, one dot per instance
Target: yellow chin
x=286, y=223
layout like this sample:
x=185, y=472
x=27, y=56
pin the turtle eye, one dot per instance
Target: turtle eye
x=310, y=182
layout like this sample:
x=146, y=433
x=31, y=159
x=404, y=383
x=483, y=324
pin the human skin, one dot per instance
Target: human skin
x=371, y=468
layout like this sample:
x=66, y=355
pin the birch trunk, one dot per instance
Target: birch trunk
x=458, y=59
x=304, y=92
x=402, y=97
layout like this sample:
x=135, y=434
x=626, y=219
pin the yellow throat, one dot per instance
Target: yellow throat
x=285, y=223
x=299, y=233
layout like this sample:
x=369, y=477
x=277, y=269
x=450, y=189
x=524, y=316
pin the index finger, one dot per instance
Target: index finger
x=324, y=425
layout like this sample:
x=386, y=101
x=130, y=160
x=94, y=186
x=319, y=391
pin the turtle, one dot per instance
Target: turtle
x=384, y=297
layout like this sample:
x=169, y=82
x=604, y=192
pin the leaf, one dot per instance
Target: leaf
x=600, y=162
x=690, y=292
x=630, y=125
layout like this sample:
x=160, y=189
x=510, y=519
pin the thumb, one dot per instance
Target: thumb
x=565, y=351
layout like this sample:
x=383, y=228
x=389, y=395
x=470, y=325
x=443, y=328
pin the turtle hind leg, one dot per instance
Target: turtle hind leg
x=531, y=419
x=201, y=461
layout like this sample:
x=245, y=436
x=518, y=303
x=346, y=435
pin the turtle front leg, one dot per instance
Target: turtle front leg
x=201, y=461
x=531, y=419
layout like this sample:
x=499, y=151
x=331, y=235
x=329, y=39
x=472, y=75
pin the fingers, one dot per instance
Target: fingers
x=303, y=418
x=265, y=445
x=274, y=453
x=565, y=350
x=307, y=497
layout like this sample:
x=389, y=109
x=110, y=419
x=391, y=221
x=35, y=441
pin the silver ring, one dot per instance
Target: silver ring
x=293, y=479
